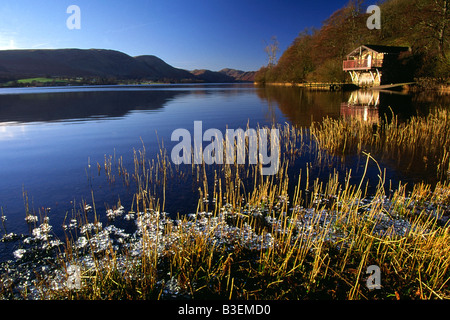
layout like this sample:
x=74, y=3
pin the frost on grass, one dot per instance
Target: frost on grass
x=252, y=227
x=112, y=214
x=31, y=218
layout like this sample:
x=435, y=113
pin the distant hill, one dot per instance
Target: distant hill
x=71, y=63
x=211, y=76
x=224, y=75
x=100, y=63
x=239, y=75
x=164, y=70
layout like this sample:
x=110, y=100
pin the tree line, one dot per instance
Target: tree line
x=316, y=55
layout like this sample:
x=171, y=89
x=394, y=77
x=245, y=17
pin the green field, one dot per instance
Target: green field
x=31, y=80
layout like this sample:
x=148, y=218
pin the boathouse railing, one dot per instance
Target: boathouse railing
x=362, y=64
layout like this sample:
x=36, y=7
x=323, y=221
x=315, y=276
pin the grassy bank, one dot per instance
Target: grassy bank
x=265, y=237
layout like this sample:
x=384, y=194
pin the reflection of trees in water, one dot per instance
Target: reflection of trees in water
x=429, y=100
x=301, y=106
x=270, y=116
x=406, y=105
x=370, y=107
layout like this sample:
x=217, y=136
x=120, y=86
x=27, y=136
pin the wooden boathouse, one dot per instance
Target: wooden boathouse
x=376, y=65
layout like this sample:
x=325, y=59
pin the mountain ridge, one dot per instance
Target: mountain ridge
x=101, y=63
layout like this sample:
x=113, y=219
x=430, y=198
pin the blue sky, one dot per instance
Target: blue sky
x=187, y=34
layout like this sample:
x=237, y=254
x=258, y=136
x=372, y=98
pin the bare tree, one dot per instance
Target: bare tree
x=272, y=49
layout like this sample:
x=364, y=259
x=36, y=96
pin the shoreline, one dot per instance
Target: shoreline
x=417, y=86
x=319, y=86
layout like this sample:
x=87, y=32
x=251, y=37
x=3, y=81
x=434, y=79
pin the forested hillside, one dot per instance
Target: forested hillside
x=317, y=54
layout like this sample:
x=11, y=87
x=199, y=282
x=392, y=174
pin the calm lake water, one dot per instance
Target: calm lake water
x=50, y=136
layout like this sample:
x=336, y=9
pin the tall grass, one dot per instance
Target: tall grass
x=265, y=250
x=269, y=237
x=420, y=140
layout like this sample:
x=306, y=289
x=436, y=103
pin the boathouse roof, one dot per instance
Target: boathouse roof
x=379, y=49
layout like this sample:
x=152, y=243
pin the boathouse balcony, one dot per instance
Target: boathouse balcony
x=362, y=64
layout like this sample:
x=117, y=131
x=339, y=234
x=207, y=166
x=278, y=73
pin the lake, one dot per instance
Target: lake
x=51, y=139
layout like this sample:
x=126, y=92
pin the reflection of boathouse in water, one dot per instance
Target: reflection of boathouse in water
x=362, y=105
x=374, y=65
